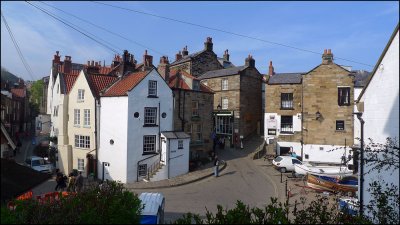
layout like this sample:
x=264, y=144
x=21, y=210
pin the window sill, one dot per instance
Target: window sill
x=80, y=101
x=78, y=126
x=81, y=148
x=152, y=96
x=150, y=125
x=150, y=153
x=287, y=133
x=340, y=131
x=287, y=108
x=85, y=126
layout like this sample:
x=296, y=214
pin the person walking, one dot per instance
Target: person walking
x=59, y=177
x=71, y=182
x=216, y=166
x=79, y=182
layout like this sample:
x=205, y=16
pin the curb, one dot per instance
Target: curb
x=180, y=184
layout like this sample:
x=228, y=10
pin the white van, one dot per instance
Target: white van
x=39, y=164
x=153, y=208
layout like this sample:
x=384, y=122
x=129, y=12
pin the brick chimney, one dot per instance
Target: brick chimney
x=178, y=56
x=93, y=67
x=250, y=62
x=163, y=68
x=327, y=57
x=271, y=69
x=116, y=61
x=56, y=58
x=226, y=55
x=56, y=62
x=127, y=63
x=147, y=61
x=185, y=52
x=67, y=64
x=208, y=45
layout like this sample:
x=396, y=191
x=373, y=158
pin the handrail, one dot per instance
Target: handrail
x=153, y=168
x=138, y=163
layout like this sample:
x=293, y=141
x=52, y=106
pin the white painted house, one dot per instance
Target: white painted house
x=134, y=111
x=379, y=103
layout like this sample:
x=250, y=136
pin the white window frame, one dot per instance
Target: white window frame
x=196, y=132
x=142, y=170
x=150, y=116
x=82, y=141
x=81, y=164
x=81, y=95
x=77, y=117
x=152, y=88
x=180, y=144
x=225, y=103
x=195, y=108
x=149, y=144
x=224, y=84
x=86, y=117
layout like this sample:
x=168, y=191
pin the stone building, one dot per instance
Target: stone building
x=193, y=105
x=199, y=62
x=312, y=112
x=237, y=100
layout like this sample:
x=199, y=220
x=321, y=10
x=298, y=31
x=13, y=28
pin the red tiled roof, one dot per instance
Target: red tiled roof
x=126, y=84
x=69, y=81
x=100, y=82
x=72, y=72
x=175, y=82
x=19, y=92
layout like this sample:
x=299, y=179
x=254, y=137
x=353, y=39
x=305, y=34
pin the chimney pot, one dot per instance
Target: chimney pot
x=226, y=55
x=327, y=57
x=208, y=45
x=88, y=63
x=325, y=52
x=271, y=69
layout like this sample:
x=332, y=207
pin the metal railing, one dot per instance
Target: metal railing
x=153, y=168
x=287, y=128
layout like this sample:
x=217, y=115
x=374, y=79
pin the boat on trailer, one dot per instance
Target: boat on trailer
x=331, y=171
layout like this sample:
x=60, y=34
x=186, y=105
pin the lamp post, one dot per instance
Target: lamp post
x=359, y=114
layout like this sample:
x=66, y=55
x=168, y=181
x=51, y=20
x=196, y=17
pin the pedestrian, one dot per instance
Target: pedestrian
x=71, y=182
x=79, y=182
x=214, y=138
x=216, y=166
x=59, y=176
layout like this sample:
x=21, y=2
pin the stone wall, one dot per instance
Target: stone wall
x=202, y=63
x=321, y=95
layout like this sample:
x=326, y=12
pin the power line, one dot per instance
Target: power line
x=21, y=56
x=104, y=29
x=72, y=26
x=223, y=31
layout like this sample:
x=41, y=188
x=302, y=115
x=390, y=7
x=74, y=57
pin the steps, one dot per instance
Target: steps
x=160, y=174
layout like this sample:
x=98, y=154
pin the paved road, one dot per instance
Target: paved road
x=241, y=180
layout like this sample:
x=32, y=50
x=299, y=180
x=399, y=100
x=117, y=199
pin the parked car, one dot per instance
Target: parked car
x=285, y=163
x=153, y=211
x=39, y=164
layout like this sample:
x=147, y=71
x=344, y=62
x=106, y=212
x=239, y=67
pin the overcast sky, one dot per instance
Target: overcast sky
x=357, y=31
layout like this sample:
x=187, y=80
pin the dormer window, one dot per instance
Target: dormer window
x=152, y=88
x=196, y=85
x=81, y=95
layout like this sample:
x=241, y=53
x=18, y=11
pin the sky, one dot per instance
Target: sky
x=356, y=31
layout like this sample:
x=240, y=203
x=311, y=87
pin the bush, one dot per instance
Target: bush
x=111, y=204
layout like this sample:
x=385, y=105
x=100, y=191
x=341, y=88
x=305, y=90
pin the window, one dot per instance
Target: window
x=77, y=117
x=196, y=132
x=82, y=141
x=180, y=144
x=225, y=103
x=149, y=144
x=86, y=117
x=339, y=124
x=224, y=84
x=81, y=95
x=150, y=116
x=195, y=108
x=286, y=100
x=344, y=96
x=286, y=124
x=81, y=164
x=152, y=88
x=142, y=170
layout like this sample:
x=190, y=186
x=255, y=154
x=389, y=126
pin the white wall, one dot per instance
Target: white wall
x=138, y=100
x=114, y=125
x=178, y=163
x=357, y=124
x=296, y=146
x=42, y=121
x=381, y=110
x=277, y=123
x=50, y=93
x=326, y=153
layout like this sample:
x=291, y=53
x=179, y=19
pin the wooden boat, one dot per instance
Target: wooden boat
x=317, y=182
x=331, y=171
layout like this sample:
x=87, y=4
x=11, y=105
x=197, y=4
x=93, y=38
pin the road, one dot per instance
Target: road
x=241, y=180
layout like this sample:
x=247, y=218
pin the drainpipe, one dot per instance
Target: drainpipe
x=179, y=110
x=359, y=114
x=168, y=153
x=159, y=129
x=97, y=133
x=302, y=120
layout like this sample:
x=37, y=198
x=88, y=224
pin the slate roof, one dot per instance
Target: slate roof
x=224, y=63
x=187, y=58
x=175, y=134
x=18, y=92
x=285, y=78
x=222, y=72
x=127, y=83
x=361, y=78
